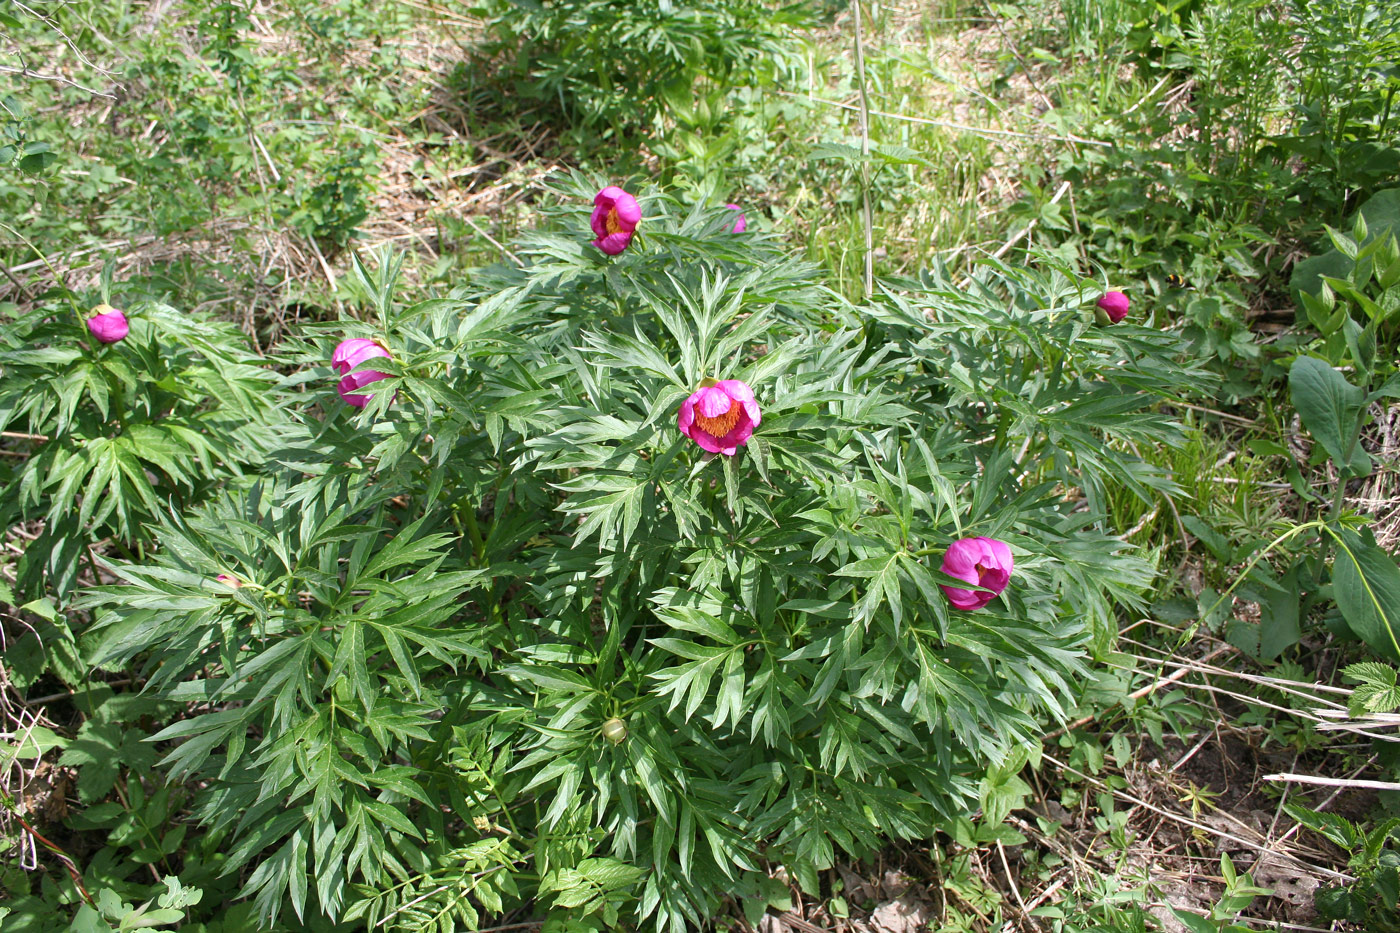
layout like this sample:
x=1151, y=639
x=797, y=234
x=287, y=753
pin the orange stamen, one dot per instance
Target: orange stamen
x=720, y=425
x=611, y=222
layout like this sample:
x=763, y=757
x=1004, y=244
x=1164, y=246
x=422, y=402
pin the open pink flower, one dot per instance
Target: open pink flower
x=720, y=417
x=1114, y=306
x=615, y=217
x=742, y=223
x=108, y=324
x=348, y=355
x=982, y=562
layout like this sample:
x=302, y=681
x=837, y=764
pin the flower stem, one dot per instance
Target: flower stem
x=865, y=158
x=473, y=531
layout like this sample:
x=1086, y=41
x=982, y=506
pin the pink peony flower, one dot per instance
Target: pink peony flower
x=1114, y=306
x=615, y=217
x=720, y=417
x=228, y=580
x=742, y=223
x=983, y=562
x=108, y=324
x=348, y=355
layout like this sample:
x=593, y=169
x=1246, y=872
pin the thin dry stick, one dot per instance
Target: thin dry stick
x=1196, y=748
x=1376, y=720
x=1332, y=782
x=1148, y=96
x=267, y=157
x=792, y=920
x=1282, y=799
x=1015, y=888
x=1142, y=522
x=1328, y=802
x=26, y=73
x=1178, y=818
x=1064, y=186
x=325, y=266
x=1045, y=895
x=258, y=147
x=19, y=286
x=963, y=127
x=1211, y=688
x=1025, y=68
x=277, y=178
x=1135, y=695
x=1219, y=414
x=865, y=161
x=1231, y=481
x=68, y=40
x=1284, y=686
x=1270, y=924
x=492, y=240
x=389, y=916
x=34, y=264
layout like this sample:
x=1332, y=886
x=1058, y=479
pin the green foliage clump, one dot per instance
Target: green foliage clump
x=1243, y=127
x=614, y=66
x=1372, y=898
x=407, y=644
x=125, y=432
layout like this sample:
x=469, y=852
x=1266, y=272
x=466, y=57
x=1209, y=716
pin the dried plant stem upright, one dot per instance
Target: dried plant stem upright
x=865, y=158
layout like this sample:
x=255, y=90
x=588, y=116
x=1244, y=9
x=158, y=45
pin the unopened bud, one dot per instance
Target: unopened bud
x=615, y=731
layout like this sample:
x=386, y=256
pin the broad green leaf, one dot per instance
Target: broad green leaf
x=1330, y=407
x=1366, y=585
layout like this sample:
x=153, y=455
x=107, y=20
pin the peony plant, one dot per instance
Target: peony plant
x=530, y=631
x=350, y=354
x=108, y=324
x=1112, y=308
x=985, y=563
x=741, y=222
x=720, y=416
x=616, y=215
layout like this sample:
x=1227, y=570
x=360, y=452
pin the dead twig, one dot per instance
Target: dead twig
x=24, y=72
x=1332, y=782
x=961, y=127
x=1135, y=695
x=1197, y=825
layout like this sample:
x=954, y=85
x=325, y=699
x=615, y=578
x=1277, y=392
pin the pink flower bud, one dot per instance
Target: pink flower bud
x=742, y=223
x=229, y=580
x=348, y=355
x=108, y=325
x=615, y=217
x=1114, y=306
x=721, y=417
x=984, y=562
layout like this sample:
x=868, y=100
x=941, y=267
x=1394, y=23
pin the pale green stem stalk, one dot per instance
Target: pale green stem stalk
x=1260, y=555
x=865, y=159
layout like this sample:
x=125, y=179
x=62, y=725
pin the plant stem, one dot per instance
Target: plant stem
x=1338, y=497
x=865, y=158
x=1258, y=556
x=474, y=532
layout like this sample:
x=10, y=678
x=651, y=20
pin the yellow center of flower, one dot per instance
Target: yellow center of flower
x=611, y=222
x=720, y=425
